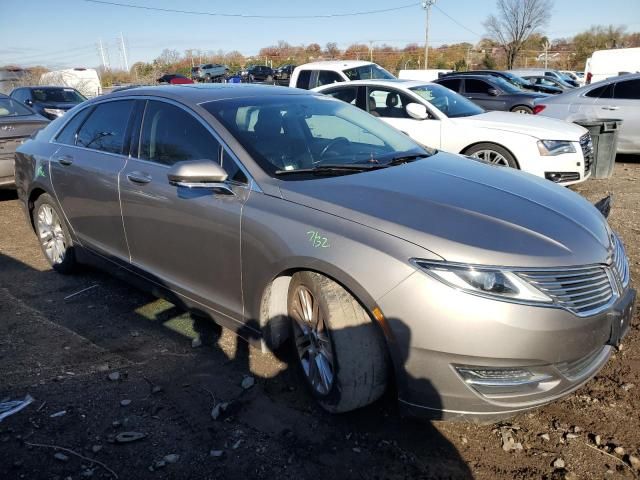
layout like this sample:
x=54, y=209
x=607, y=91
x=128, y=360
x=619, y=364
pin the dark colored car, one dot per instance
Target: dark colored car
x=258, y=73
x=512, y=78
x=17, y=122
x=174, y=79
x=492, y=93
x=283, y=73
x=547, y=81
x=50, y=102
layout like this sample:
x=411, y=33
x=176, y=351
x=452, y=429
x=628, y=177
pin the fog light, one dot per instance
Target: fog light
x=499, y=380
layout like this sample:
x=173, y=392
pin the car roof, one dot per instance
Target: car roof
x=195, y=93
x=391, y=82
x=336, y=64
x=476, y=76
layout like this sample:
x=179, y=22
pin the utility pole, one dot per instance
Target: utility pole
x=427, y=4
x=546, y=46
x=124, y=52
x=104, y=62
x=371, y=51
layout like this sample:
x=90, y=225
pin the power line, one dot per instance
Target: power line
x=455, y=21
x=242, y=15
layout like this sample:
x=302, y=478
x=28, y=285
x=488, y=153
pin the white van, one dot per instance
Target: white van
x=85, y=80
x=316, y=74
x=428, y=75
x=611, y=63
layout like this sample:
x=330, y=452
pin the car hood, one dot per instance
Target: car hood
x=532, y=125
x=466, y=211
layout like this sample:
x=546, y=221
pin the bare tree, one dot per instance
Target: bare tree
x=514, y=23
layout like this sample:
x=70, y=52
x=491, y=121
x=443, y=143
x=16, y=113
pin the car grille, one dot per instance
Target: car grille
x=587, y=151
x=620, y=262
x=580, y=290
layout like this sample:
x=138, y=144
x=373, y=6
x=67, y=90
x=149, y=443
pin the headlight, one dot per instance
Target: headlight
x=555, y=147
x=55, y=111
x=483, y=281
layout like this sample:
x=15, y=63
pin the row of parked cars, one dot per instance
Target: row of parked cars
x=306, y=219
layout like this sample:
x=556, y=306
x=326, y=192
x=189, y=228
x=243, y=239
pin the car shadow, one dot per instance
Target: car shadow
x=155, y=338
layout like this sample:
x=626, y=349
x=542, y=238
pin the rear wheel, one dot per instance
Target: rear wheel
x=522, y=109
x=492, y=153
x=53, y=234
x=341, y=353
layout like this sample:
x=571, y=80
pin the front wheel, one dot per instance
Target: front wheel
x=492, y=153
x=341, y=353
x=53, y=234
x=522, y=109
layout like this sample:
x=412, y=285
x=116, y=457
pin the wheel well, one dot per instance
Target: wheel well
x=468, y=147
x=33, y=197
x=520, y=106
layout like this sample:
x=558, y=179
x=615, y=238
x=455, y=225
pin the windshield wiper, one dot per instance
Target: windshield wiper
x=399, y=159
x=328, y=169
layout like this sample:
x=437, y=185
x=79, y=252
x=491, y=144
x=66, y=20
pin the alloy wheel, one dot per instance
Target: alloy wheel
x=312, y=341
x=491, y=156
x=51, y=234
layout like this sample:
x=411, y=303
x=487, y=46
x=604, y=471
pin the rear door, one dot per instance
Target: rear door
x=84, y=173
x=477, y=91
x=185, y=239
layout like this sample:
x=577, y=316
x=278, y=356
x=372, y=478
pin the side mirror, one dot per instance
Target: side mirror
x=417, y=111
x=29, y=102
x=198, y=174
x=493, y=92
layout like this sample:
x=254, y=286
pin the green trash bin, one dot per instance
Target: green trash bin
x=604, y=135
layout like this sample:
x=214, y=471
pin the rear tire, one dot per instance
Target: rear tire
x=522, y=109
x=53, y=235
x=342, y=354
x=493, y=154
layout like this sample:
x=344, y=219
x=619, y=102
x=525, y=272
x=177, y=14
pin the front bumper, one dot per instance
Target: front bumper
x=436, y=329
x=7, y=175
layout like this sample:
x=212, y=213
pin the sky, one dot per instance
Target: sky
x=65, y=33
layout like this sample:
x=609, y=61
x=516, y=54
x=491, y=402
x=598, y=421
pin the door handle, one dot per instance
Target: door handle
x=608, y=107
x=65, y=160
x=138, y=177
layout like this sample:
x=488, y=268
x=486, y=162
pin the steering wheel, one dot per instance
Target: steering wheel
x=332, y=144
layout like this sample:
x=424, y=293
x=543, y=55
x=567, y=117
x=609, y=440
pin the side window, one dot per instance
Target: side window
x=348, y=94
x=105, y=128
x=232, y=168
x=388, y=103
x=325, y=77
x=452, y=84
x=19, y=95
x=629, y=89
x=604, y=91
x=476, y=86
x=68, y=133
x=170, y=135
x=304, y=77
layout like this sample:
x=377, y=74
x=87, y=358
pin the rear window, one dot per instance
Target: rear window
x=368, y=72
x=629, y=89
x=304, y=77
x=452, y=84
x=603, y=91
x=105, y=128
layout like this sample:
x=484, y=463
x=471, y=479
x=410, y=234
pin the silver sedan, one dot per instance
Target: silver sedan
x=294, y=218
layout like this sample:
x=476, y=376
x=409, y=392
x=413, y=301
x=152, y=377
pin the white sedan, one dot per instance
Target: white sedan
x=440, y=118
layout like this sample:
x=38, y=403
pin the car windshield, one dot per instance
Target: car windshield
x=505, y=85
x=10, y=108
x=368, y=72
x=285, y=133
x=447, y=101
x=59, y=95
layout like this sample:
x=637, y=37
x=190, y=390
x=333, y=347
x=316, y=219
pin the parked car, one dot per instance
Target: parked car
x=439, y=118
x=578, y=77
x=50, y=102
x=543, y=72
x=615, y=98
x=316, y=74
x=284, y=214
x=257, y=73
x=491, y=93
x=427, y=75
x=84, y=80
x=209, y=72
x=547, y=81
x=174, y=79
x=17, y=122
x=517, y=81
x=282, y=74
x=604, y=64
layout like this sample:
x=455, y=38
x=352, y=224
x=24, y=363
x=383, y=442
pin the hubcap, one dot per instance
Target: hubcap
x=491, y=156
x=312, y=341
x=51, y=234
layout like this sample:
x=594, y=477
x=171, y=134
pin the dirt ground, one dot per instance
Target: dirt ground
x=61, y=347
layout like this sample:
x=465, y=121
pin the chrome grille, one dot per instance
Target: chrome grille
x=580, y=290
x=587, y=151
x=620, y=261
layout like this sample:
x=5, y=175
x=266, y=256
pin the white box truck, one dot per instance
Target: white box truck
x=85, y=80
x=611, y=63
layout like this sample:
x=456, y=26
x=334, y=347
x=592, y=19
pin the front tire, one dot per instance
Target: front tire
x=522, y=109
x=492, y=153
x=53, y=235
x=341, y=353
